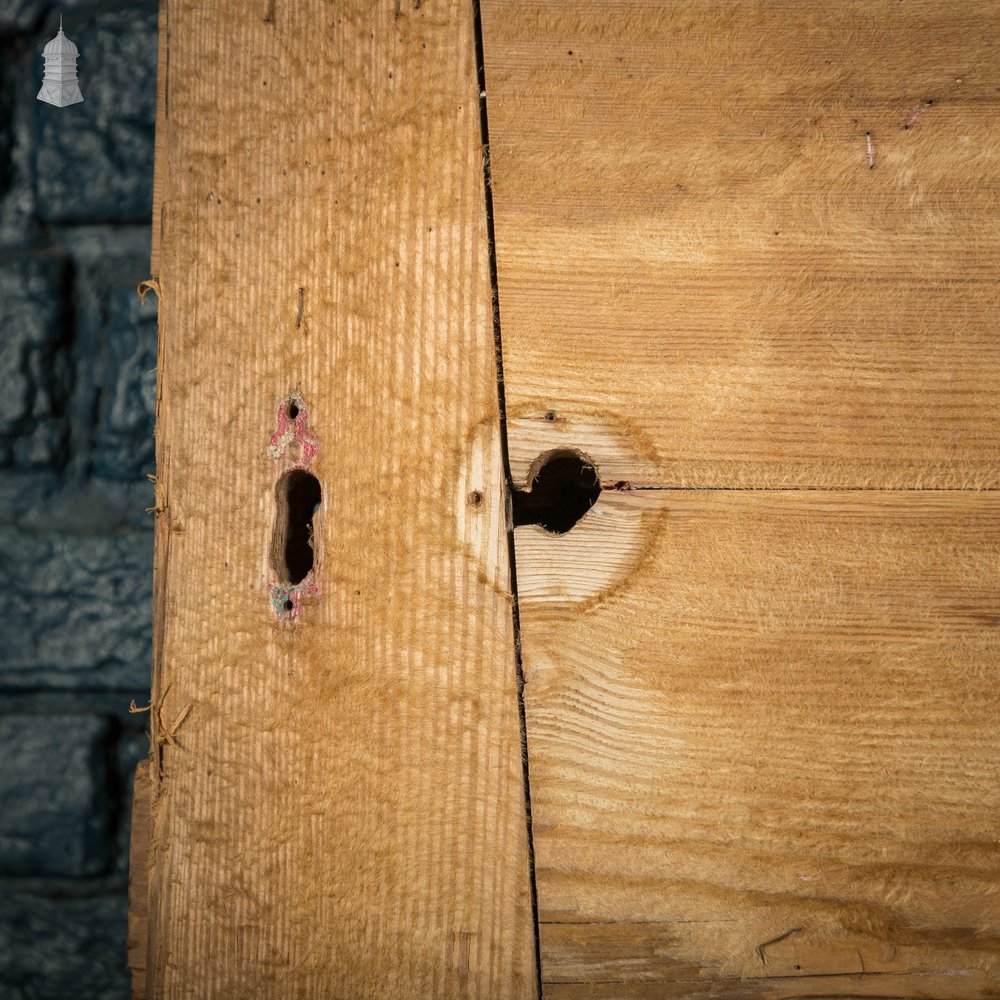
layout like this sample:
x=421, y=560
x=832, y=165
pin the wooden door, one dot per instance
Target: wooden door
x=743, y=259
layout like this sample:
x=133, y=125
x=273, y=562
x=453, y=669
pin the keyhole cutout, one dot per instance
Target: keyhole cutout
x=298, y=495
x=562, y=486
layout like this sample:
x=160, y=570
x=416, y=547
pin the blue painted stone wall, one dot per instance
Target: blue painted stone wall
x=77, y=386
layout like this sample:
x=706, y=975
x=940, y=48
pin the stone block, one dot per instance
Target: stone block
x=55, y=949
x=78, y=610
x=54, y=811
x=34, y=362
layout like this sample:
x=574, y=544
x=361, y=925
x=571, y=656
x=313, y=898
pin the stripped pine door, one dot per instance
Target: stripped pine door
x=744, y=260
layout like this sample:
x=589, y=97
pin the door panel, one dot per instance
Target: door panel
x=747, y=266
x=689, y=235
x=771, y=751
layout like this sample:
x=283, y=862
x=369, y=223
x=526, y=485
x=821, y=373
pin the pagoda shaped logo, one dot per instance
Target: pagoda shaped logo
x=59, y=84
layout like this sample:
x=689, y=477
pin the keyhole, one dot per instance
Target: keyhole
x=298, y=494
x=562, y=486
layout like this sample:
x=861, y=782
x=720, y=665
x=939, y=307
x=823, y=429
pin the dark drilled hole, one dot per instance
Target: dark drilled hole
x=293, y=411
x=562, y=486
x=298, y=494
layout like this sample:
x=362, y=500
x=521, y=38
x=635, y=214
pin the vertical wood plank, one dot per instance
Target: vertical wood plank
x=339, y=806
x=137, y=940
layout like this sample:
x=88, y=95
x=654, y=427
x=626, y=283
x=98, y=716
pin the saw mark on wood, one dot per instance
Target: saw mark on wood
x=870, y=150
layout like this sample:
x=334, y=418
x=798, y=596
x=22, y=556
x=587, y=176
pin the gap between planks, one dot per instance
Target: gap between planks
x=508, y=484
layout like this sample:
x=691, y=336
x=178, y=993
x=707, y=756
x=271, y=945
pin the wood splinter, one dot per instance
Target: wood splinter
x=165, y=734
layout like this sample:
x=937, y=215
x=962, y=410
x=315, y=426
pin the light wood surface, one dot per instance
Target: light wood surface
x=747, y=266
x=761, y=722
x=339, y=805
x=137, y=939
x=689, y=236
x=780, y=728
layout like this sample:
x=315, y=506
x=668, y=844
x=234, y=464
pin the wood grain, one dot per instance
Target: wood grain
x=339, y=807
x=743, y=250
x=137, y=940
x=747, y=265
x=768, y=757
x=689, y=236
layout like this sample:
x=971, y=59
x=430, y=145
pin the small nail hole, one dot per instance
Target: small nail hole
x=293, y=411
x=476, y=498
x=289, y=605
x=562, y=486
x=551, y=415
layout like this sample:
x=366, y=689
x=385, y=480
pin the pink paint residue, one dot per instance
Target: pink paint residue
x=917, y=113
x=293, y=429
x=286, y=601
